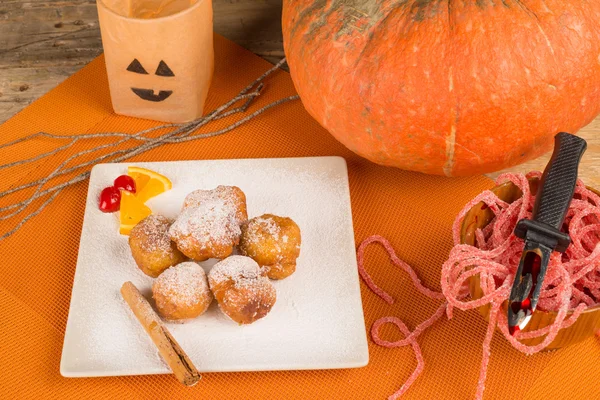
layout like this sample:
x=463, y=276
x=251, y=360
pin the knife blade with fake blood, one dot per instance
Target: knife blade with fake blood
x=542, y=233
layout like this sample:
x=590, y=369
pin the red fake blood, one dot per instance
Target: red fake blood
x=531, y=265
x=524, y=305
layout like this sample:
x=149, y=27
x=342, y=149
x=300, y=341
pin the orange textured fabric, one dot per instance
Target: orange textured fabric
x=415, y=212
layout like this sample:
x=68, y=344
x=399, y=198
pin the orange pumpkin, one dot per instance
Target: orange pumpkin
x=446, y=87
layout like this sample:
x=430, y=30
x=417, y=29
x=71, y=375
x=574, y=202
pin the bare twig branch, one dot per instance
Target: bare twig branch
x=176, y=133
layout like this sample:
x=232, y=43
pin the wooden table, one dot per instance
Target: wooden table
x=44, y=41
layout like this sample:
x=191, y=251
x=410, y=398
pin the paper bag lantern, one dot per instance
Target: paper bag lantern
x=159, y=56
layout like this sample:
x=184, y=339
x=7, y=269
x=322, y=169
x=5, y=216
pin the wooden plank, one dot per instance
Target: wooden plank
x=20, y=86
x=589, y=169
x=44, y=41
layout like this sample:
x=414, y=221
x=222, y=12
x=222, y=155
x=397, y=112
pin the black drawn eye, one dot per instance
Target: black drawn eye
x=163, y=69
x=136, y=67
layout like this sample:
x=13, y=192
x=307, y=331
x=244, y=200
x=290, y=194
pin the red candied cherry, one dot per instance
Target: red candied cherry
x=125, y=182
x=110, y=199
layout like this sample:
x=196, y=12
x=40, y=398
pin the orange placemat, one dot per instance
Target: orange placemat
x=413, y=211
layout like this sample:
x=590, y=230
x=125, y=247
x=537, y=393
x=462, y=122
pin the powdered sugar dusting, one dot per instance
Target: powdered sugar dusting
x=209, y=217
x=206, y=222
x=239, y=269
x=266, y=224
x=243, y=293
x=198, y=197
x=259, y=227
x=184, y=283
x=155, y=230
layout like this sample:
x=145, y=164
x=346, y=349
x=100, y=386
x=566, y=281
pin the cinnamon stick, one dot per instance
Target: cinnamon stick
x=169, y=349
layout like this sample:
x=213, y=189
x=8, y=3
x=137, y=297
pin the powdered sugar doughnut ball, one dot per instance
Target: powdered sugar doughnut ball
x=273, y=242
x=209, y=223
x=244, y=294
x=151, y=245
x=182, y=292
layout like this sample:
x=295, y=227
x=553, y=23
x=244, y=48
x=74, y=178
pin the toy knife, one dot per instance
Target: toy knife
x=542, y=233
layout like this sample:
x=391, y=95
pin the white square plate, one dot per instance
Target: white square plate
x=316, y=323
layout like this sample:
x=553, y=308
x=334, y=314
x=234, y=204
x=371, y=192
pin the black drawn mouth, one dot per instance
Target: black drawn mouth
x=148, y=94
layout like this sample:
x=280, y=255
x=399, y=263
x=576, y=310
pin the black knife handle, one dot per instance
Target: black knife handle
x=559, y=180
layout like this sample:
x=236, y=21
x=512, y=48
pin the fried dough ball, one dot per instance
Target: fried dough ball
x=182, y=292
x=244, y=294
x=273, y=242
x=209, y=223
x=151, y=246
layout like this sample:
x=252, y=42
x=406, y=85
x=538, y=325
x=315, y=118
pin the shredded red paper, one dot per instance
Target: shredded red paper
x=572, y=281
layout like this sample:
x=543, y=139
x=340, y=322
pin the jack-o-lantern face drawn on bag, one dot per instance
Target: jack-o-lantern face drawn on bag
x=159, y=56
x=148, y=94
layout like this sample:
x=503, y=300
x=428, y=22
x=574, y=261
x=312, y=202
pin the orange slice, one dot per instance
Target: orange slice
x=148, y=184
x=132, y=212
